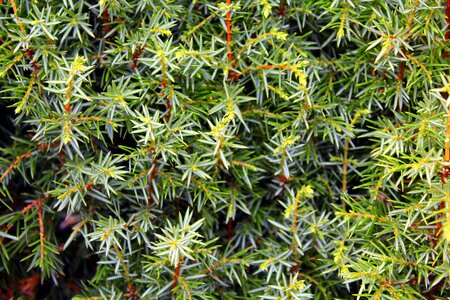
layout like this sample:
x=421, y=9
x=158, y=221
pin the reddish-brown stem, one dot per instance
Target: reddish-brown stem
x=221, y=262
x=169, y=109
x=447, y=19
x=25, y=155
x=35, y=203
x=28, y=286
x=168, y=103
x=30, y=55
x=3, y=42
x=39, y=204
x=176, y=275
x=41, y=231
x=401, y=67
x=19, y=22
x=130, y=287
x=89, y=186
x=386, y=283
x=229, y=36
x=14, y=165
x=136, y=55
x=282, y=9
x=283, y=179
x=230, y=229
x=45, y=146
x=131, y=292
x=104, y=19
x=401, y=70
x=447, y=13
x=53, y=145
x=8, y=228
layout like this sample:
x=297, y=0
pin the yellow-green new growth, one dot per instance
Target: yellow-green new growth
x=267, y=7
x=285, y=144
x=78, y=65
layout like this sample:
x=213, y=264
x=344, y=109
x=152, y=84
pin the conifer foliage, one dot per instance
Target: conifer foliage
x=262, y=149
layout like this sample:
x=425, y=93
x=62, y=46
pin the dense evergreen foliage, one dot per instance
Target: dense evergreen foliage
x=262, y=149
